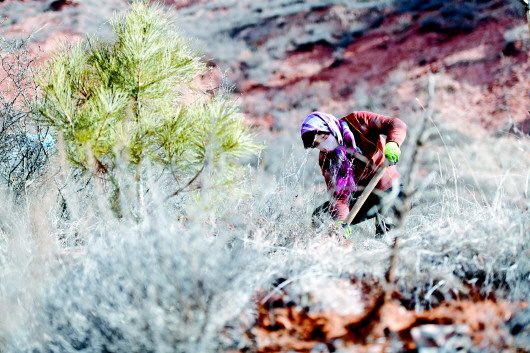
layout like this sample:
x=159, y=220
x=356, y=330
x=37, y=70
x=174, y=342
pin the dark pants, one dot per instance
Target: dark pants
x=380, y=204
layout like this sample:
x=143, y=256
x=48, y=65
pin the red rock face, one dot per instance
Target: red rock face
x=282, y=57
x=483, y=75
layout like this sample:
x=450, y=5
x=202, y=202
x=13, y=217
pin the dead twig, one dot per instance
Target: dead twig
x=391, y=272
x=404, y=209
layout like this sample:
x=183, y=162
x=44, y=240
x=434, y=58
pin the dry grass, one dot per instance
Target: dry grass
x=188, y=282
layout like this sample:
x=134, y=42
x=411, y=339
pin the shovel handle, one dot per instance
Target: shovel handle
x=366, y=192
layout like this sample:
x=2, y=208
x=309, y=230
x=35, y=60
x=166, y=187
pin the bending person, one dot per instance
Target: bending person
x=351, y=151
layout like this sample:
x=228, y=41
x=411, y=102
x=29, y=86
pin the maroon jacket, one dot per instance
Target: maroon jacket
x=371, y=132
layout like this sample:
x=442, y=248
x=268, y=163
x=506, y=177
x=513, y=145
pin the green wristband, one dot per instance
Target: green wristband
x=392, y=151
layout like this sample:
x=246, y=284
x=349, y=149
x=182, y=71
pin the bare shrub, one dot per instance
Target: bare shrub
x=24, y=145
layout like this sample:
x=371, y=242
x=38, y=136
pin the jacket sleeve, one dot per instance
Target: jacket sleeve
x=394, y=128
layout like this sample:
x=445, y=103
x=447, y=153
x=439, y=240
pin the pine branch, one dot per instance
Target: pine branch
x=189, y=183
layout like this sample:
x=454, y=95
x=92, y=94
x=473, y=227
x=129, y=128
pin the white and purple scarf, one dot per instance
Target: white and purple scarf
x=341, y=165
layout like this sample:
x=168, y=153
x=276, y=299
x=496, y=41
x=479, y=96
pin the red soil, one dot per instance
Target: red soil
x=282, y=328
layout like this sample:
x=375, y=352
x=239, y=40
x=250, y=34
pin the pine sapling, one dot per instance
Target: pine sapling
x=134, y=100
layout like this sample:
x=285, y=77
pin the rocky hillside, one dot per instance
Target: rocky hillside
x=333, y=55
x=286, y=56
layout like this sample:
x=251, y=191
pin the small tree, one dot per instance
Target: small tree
x=134, y=99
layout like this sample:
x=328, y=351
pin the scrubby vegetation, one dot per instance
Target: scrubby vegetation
x=457, y=17
x=24, y=144
x=175, y=284
x=449, y=18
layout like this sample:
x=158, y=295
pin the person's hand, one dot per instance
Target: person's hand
x=392, y=152
x=346, y=229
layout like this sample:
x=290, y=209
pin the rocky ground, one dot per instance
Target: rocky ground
x=381, y=326
x=286, y=58
x=324, y=54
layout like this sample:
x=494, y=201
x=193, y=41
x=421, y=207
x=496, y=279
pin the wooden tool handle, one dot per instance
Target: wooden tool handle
x=366, y=192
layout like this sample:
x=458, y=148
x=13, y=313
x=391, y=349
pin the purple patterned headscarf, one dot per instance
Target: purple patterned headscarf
x=341, y=166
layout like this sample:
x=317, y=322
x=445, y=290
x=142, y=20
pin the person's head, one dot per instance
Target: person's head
x=316, y=132
x=322, y=140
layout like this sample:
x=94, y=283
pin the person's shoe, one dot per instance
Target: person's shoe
x=382, y=228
